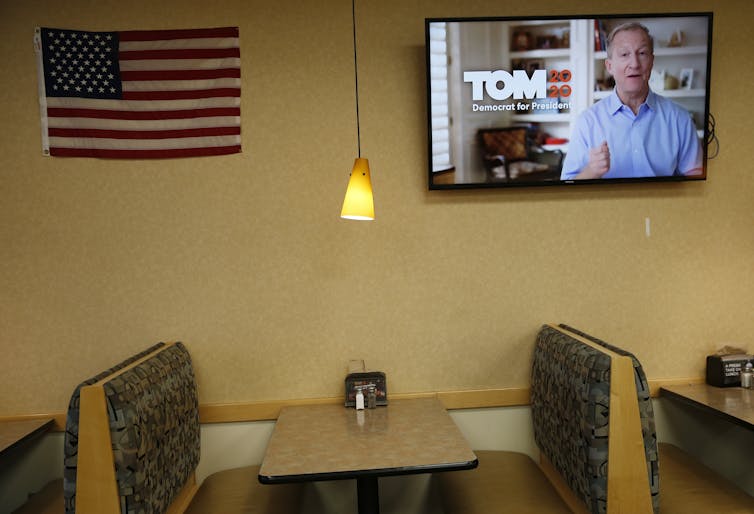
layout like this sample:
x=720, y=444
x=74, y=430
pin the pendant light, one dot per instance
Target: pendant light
x=358, y=203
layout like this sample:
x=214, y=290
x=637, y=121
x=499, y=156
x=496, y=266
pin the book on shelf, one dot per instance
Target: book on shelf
x=600, y=36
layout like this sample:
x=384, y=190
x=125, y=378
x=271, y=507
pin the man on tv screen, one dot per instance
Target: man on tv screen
x=634, y=132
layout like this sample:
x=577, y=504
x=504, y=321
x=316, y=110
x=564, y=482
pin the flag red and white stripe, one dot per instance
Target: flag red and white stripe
x=140, y=94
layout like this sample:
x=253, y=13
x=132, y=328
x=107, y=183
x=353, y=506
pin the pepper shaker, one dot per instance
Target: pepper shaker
x=372, y=397
x=746, y=376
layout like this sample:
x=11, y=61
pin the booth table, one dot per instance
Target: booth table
x=732, y=403
x=16, y=433
x=332, y=442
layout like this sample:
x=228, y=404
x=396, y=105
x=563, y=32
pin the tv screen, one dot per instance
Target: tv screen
x=532, y=101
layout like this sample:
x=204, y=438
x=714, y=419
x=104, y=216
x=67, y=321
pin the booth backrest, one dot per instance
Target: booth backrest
x=584, y=436
x=138, y=440
x=71, y=439
x=646, y=412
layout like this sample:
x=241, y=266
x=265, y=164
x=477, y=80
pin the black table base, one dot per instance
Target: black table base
x=367, y=490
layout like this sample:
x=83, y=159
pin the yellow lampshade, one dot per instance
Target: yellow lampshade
x=358, y=203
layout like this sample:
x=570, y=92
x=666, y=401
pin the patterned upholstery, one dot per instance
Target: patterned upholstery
x=71, y=441
x=646, y=412
x=153, y=411
x=154, y=427
x=570, y=391
x=570, y=401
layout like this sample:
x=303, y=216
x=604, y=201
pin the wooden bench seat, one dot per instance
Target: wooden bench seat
x=237, y=491
x=689, y=487
x=48, y=500
x=503, y=482
x=232, y=491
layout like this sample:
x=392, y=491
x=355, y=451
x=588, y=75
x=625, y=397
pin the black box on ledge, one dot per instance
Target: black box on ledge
x=725, y=370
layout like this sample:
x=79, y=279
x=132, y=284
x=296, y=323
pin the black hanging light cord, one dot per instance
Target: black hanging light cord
x=356, y=77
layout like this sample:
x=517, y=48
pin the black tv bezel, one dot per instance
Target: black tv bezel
x=581, y=182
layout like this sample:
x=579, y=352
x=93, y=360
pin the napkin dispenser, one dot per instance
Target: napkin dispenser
x=725, y=370
x=357, y=380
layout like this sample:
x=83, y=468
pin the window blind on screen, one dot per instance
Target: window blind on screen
x=438, y=74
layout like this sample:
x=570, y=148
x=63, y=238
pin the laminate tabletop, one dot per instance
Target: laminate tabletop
x=326, y=441
x=735, y=404
x=14, y=433
x=330, y=442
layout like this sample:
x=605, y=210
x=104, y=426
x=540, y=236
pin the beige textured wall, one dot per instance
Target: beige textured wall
x=245, y=259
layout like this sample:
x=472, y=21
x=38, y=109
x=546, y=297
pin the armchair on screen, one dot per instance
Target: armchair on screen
x=510, y=154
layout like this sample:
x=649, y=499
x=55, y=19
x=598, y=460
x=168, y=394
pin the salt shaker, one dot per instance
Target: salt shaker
x=746, y=376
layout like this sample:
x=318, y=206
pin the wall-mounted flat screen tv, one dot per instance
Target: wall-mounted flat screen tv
x=532, y=101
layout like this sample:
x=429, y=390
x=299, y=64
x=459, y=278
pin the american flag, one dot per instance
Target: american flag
x=139, y=94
